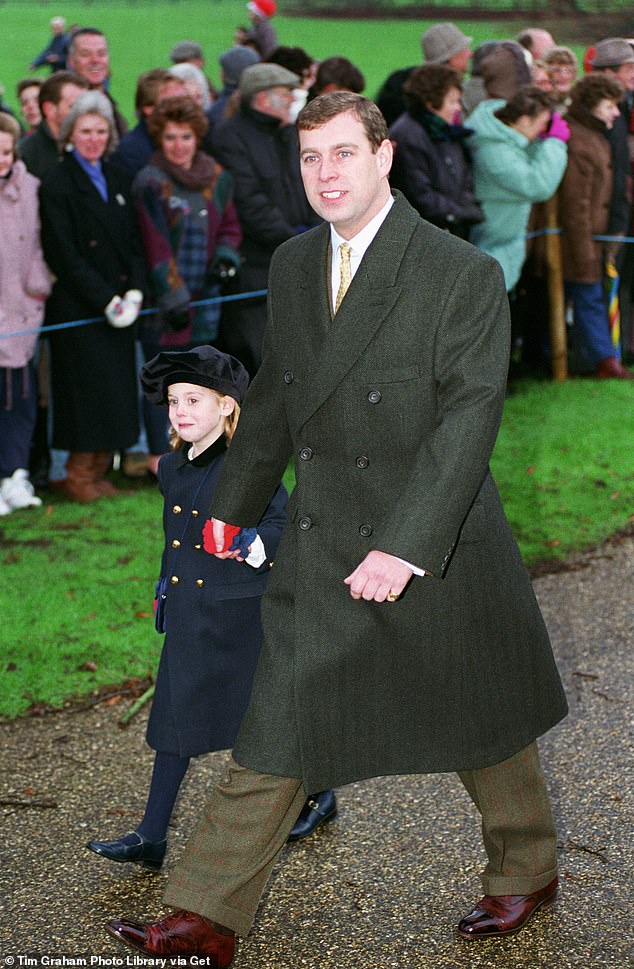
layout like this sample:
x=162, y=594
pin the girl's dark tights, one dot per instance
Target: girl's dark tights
x=167, y=776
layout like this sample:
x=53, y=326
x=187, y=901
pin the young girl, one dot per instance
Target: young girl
x=24, y=285
x=209, y=608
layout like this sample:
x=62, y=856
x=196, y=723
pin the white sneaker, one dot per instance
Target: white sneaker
x=4, y=508
x=17, y=491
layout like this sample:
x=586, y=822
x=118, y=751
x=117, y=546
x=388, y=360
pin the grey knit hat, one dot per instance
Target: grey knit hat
x=442, y=41
x=262, y=77
x=612, y=52
x=233, y=62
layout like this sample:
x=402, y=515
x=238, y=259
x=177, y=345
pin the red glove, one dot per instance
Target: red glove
x=558, y=128
x=208, y=537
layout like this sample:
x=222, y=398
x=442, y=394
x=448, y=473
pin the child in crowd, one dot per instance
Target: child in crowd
x=24, y=285
x=209, y=608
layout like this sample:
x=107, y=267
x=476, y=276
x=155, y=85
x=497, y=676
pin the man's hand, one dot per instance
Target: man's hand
x=378, y=575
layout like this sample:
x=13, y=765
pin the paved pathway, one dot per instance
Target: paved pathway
x=384, y=884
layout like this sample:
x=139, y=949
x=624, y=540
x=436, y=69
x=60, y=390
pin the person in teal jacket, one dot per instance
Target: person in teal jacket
x=519, y=157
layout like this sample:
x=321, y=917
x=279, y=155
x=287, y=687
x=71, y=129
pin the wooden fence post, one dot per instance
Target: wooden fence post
x=557, y=318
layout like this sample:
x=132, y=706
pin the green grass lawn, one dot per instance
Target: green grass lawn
x=142, y=32
x=78, y=581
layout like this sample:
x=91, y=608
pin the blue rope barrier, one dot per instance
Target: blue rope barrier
x=255, y=293
x=153, y=309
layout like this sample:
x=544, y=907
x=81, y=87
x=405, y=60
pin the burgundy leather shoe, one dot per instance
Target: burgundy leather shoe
x=505, y=914
x=180, y=933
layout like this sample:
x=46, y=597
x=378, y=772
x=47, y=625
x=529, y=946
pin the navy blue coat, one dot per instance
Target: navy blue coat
x=212, y=614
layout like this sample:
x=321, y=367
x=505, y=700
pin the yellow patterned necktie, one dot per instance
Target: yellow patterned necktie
x=344, y=274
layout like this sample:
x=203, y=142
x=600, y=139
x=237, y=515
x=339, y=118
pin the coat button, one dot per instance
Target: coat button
x=306, y=453
x=305, y=523
x=200, y=583
x=194, y=513
x=365, y=530
x=289, y=377
x=374, y=396
x=176, y=543
x=362, y=461
x=198, y=547
x=177, y=509
x=174, y=580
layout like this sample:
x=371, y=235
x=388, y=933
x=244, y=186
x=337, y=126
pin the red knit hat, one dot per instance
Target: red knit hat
x=265, y=8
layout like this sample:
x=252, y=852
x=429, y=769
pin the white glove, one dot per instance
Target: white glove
x=123, y=312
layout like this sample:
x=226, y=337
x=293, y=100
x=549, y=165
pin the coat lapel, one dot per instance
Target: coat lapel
x=368, y=302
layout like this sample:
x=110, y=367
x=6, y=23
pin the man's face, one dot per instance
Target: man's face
x=30, y=105
x=460, y=61
x=89, y=59
x=276, y=102
x=55, y=113
x=624, y=74
x=345, y=180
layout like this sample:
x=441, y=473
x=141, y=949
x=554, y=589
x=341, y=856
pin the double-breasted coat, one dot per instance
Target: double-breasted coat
x=391, y=411
x=93, y=248
x=212, y=613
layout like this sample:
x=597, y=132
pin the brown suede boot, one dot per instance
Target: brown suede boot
x=101, y=466
x=79, y=484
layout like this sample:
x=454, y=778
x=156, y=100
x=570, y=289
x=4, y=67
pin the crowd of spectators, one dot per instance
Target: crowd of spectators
x=193, y=201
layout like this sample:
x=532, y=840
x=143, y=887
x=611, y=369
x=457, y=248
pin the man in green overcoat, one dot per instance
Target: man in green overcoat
x=401, y=633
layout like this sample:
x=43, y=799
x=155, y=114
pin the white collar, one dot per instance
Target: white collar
x=359, y=243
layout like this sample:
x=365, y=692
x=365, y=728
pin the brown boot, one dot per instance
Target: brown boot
x=79, y=484
x=101, y=466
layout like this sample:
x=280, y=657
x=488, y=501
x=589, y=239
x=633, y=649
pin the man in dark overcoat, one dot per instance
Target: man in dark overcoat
x=401, y=632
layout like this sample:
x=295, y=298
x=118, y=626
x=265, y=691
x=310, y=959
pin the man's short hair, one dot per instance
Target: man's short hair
x=342, y=72
x=84, y=32
x=327, y=106
x=148, y=86
x=185, y=51
x=51, y=89
x=28, y=82
x=525, y=38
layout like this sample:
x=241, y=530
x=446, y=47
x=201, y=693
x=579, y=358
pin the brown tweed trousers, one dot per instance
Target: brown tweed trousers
x=247, y=819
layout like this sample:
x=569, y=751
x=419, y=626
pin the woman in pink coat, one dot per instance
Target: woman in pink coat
x=24, y=285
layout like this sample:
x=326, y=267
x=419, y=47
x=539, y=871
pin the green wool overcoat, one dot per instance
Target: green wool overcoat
x=390, y=411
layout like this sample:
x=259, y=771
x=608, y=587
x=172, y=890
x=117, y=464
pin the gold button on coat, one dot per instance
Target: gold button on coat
x=194, y=513
x=176, y=543
x=200, y=583
x=174, y=580
x=177, y=509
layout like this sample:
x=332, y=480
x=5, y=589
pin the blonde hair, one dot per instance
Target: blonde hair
x=229, y=429
x=10, y=126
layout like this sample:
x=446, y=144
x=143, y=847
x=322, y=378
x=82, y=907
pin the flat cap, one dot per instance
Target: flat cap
x=612, y=52
x=262, y=77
